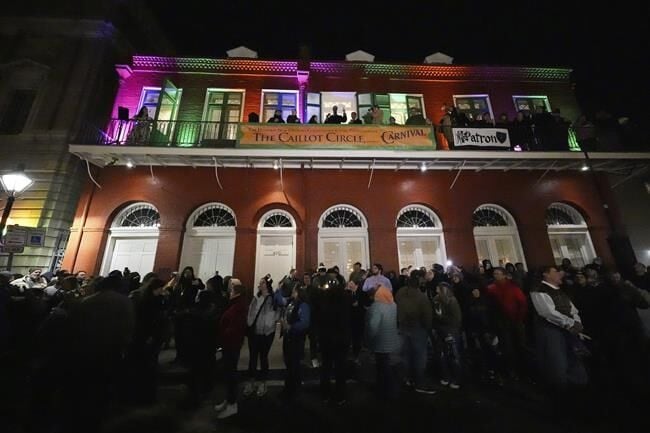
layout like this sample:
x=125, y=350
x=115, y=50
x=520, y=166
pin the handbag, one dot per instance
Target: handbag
x=251, y=328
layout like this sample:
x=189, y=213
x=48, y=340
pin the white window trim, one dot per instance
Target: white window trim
x=275, y=232
x=189, y=225
x=220, y=89
x=421, y=232
x=342, y=233
x=418, y=95
x=514, y=100
x=478, y=95
x=142, y=93
x=296, y=92
x=500, y=231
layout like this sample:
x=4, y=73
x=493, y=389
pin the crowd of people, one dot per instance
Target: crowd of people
x=87, y=338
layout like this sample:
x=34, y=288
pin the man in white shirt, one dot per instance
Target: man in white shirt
x=558, y=332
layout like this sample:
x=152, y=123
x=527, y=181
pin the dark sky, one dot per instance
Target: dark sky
x=608, y=46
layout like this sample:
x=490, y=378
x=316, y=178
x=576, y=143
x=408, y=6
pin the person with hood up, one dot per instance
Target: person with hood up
x=383, y=338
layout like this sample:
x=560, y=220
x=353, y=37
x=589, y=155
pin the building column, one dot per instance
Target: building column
x=168, y=252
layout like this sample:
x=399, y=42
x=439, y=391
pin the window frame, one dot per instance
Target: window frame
x=477, y=95
x=546, y=100
x=280, y=91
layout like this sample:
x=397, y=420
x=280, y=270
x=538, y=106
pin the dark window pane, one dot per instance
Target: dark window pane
x=17, y=111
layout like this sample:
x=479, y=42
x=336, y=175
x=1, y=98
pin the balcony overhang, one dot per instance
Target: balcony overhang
x=609, y=162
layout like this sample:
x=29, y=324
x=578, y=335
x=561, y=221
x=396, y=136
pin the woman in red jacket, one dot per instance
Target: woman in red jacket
x=232, y=330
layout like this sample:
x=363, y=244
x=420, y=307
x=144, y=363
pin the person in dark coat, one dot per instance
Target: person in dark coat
x=333, y=324
x=232, y=330
x=184, y=300
x=149, y=304
x=295, y=325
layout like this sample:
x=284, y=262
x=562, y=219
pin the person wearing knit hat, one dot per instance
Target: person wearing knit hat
x=383, y=339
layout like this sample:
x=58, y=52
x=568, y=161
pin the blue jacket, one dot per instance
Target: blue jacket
x=300, y=322
x=381, y=328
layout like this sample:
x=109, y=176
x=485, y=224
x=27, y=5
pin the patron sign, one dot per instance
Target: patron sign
x=336, y=136
x=482, y=137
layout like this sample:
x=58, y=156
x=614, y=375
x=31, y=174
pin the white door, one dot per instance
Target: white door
x=498, y=249
x=419, y=251
x=274, y=256
x=571, y=246
x=136, y=254
x=344, y=253
x=209, y=254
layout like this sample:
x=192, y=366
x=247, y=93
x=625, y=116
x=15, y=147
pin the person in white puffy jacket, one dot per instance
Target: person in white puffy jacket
x=263, y=315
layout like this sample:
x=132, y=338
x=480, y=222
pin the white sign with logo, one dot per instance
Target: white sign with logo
x=16, y=236
x=482, y=137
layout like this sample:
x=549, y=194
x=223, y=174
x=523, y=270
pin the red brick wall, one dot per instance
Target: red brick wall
x=177, y=192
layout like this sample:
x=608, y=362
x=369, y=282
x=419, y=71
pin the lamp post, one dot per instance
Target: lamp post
x=13, y=183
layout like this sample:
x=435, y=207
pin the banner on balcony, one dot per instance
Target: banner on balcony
x=482, y=137
x=336, y=136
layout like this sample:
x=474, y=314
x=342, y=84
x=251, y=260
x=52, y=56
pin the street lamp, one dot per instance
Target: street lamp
x=13, y=183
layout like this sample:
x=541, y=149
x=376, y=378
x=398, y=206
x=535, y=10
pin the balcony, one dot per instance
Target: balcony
x=160, y=134
x=196, y=144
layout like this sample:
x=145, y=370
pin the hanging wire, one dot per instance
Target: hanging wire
x=281, y=177
x=372, y=170
x=457, y=175
x=90, y=174
x=216, y=172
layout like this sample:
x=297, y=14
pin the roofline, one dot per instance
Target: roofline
x=397, y=70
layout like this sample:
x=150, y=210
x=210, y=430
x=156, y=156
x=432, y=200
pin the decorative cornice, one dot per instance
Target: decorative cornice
x=187, y=64
x=399, y=71
x=443, y=72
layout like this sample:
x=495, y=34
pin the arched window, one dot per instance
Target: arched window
x=487, y=216
x=342, y=217
x=138, y=215
x=496, y=235
x=277, y=219
x=569, y=235
x=133, y=240
x=343, y=238
x=215, y=215
x=420, y=240
x=209, y=242
x=276, y=244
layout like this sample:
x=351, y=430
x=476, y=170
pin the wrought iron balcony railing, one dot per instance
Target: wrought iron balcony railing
x=182, y=133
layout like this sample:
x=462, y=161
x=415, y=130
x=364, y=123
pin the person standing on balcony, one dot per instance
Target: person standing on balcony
x=336, y=118
x=415, y=117
x=140, y=132
x=354, y=119
x=277, y=117
x=377, y=115
x=293, y=118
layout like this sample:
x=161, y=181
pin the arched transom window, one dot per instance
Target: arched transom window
x=561, y=214
x=277, y=220
x=488, y=216
x=342, y=217
x=215, y=215
x=416, y=217
x=138, y=215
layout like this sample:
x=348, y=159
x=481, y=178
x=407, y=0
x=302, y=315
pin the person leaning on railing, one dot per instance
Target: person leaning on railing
x=142, y=129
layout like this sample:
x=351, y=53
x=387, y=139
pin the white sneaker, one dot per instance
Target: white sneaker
x=444, y=382
x=230, y=410
x=315, y=363
x=261, y=389
x=454, y=386
x=248, y=389
x=221, y=406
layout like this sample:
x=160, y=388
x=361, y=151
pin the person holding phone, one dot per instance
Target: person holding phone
x=336, y=118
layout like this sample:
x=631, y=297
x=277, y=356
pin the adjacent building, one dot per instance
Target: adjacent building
x=57, y=72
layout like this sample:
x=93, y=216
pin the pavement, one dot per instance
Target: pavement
x=515, y=406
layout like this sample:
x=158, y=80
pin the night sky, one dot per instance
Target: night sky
x=607, y=46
